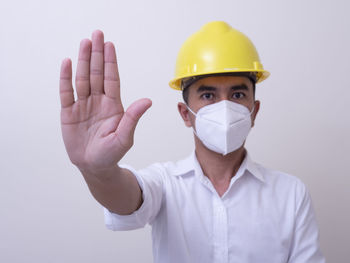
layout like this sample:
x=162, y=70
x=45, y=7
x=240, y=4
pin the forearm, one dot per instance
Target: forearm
x=116, y=189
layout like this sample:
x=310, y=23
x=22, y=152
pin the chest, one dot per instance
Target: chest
x=247, y=223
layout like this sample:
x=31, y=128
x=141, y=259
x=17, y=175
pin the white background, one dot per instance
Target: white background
x=46, y=211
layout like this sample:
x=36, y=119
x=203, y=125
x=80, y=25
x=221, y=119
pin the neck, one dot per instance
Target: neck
x=217, y=167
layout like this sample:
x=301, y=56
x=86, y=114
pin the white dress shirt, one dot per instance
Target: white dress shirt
x=265, y=216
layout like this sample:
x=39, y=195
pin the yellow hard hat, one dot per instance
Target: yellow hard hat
x=215, y=49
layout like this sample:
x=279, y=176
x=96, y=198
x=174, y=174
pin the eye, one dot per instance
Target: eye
x=207, y=96
x=238, y=95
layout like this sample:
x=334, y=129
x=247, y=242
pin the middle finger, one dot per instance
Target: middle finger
x=96, y=63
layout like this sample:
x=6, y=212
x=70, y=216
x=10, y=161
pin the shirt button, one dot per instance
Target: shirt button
x=222, y=209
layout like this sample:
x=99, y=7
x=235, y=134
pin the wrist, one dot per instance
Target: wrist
x=102, y=174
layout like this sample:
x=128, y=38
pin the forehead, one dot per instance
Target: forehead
x=222, y=82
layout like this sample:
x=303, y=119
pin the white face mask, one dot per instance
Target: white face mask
x=223, y=126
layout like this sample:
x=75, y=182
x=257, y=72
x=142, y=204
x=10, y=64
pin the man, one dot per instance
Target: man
x=215, y=206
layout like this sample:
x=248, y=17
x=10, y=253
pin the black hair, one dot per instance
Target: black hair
x=186, y=83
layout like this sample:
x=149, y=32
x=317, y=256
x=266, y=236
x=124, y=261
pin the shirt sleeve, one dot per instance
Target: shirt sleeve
x=151, y=184
x=305, y=243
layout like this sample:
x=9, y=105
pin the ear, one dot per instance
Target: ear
x=185, y=113
x=255, y=112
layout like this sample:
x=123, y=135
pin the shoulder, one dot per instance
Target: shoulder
x=283, y=182
x=164, y=170
x=172, y=168
x=286, y=191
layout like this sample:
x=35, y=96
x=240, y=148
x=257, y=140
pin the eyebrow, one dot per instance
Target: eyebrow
x=205, y=88
x=211, y=88
x=239, y=87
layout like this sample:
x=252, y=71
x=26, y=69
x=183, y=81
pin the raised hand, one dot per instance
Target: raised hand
x=97, y=132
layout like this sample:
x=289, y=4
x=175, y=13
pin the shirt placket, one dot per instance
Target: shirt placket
x=220, y=231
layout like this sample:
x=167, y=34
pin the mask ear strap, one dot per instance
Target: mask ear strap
x=194, y=131
x=252, y=110
x=191, y=110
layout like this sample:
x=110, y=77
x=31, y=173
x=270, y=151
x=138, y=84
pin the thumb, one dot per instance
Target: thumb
x=127, y=124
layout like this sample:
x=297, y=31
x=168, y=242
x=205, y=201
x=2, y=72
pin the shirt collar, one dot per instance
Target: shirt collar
x=185, y=166
x=188, y=165
x=252, y=167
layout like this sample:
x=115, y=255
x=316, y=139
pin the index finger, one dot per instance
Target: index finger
x=111, y=73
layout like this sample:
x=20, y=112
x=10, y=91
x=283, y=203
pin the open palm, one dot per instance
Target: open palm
x=96, y=130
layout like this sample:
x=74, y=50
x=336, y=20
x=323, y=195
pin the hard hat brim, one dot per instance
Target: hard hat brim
x=260, y=76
